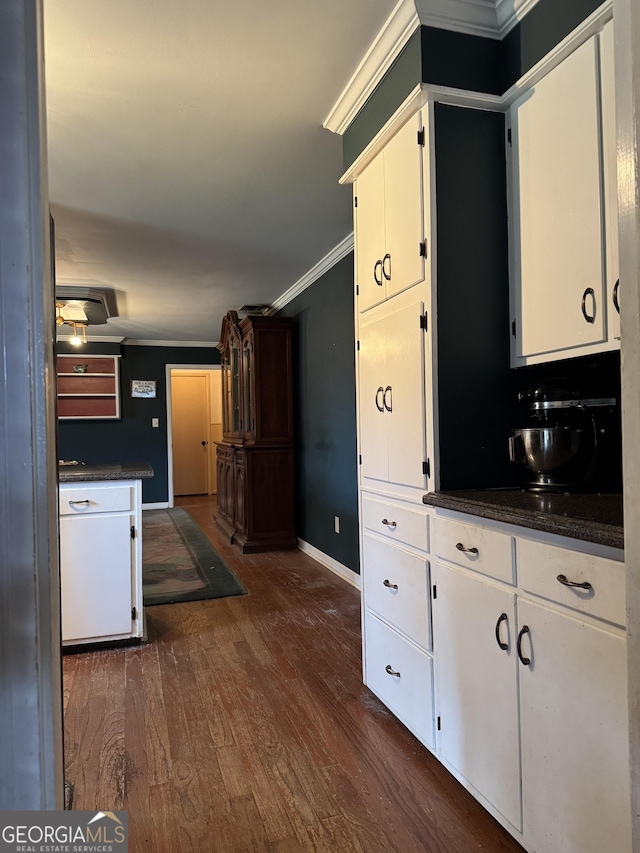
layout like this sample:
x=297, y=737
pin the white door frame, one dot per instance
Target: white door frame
x=626, y=20
x=169, y=368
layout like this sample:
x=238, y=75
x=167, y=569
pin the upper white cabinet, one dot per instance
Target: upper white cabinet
x=391, y=396
x=389, y=219
x=561, y=298
x=610, y=179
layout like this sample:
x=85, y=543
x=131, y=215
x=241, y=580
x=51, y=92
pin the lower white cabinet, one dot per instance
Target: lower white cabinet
x=530, y=685
x=575, y=754
x=100, y=561
x=474, y=623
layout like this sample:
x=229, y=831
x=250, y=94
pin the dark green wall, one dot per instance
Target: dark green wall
x=473, y=63
x=132, y=438
x=325, y=414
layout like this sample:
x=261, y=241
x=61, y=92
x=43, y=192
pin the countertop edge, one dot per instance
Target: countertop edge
x=104, y=473
x=574, y=528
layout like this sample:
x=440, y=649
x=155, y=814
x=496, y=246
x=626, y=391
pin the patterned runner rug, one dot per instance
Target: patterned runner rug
x=179, y=563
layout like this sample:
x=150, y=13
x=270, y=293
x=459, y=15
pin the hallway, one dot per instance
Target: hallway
x=243, y=725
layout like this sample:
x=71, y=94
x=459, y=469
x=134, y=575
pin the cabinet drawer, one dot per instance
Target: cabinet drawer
x=89, y=498
x=473, y=547
x=399, y=523
x=539, y=566
x=409, y=693
x=396, y=587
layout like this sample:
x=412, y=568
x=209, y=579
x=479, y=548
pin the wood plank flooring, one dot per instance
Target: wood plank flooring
x=243, y=725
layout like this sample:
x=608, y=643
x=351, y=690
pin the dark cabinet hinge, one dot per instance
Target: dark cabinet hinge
x=423, y=249
x=513, y=328
x=357, y=290
x=435, y=592
x=133, y=532
x=424, y=321
x=358, y=345
x=355, y=201
x=426, y=467
x=421, y=137
x=134, y=613
x=360, y=459
x=439, y=724
x=509, y=136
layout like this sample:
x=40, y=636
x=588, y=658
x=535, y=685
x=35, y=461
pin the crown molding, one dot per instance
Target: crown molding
x=134, y=342
x=511, y=12
x=474, y=17
x=395, y=33
x=330, y=260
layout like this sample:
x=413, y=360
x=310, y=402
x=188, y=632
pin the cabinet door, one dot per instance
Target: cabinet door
x=558, y=241
x=370, y=239
x=391, y=393
x=404, y=401
x=372, y=360
x=476, y=685
x=609, y=154
x=403, y=263
x=96, y=565
x=575, y=756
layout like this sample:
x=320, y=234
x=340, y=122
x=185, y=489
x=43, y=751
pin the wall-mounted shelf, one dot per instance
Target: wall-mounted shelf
x=88, y=387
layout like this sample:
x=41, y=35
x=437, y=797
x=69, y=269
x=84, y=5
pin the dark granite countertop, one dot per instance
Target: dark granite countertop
x=80, y=473
x=590, y=518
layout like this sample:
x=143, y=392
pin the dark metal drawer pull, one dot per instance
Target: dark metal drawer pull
x=566, y=582
x=388, y=406
x=378, y=281
x=379, y=406
x=85, y=502
x=389, y=523
x=523, y=631
x=461, y=547
x=616, y=303
x=391, y=671
x=386, y=274
x=389, y=584
x=502, y=618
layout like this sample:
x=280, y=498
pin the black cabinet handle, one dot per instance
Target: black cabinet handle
x=386, y=274
x=375, y=269
x=566, y=582
x=524, y=630
x=389, y=585
x=391, y=671
x=388, y=407
x=379, y=406
x=616, y=303
x=502, y=618
x=590, y=318
x=461, y=547
x=389, y=523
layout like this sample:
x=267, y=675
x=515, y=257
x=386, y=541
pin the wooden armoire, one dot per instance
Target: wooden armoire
x=255, y=458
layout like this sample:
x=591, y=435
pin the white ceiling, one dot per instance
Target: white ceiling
x=188, y=167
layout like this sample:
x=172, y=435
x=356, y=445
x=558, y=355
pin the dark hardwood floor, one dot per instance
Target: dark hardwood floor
x=243, y=725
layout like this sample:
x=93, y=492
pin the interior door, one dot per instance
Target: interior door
x=190, y=431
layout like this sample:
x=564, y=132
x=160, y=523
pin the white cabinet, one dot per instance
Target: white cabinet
x=575, y=754
x=530, y=685
x=565, y=301
x=391, y=395
x=100, y=561
x=474, y=624
x=607, y=77
x=389, y=219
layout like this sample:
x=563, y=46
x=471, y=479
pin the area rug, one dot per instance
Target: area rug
x=179, y=563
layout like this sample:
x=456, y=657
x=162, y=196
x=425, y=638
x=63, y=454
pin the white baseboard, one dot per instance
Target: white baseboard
x=161, y=505
x=329, y=563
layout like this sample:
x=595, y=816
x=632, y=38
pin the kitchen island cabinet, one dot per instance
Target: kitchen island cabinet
x=101, y=552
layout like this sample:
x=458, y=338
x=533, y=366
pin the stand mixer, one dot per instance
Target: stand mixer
x=571, y=442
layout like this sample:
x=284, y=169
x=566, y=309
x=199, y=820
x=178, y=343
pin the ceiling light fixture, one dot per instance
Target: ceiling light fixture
x=76, y=340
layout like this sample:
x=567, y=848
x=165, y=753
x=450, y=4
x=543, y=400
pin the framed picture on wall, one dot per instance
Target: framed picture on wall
x=143, y=388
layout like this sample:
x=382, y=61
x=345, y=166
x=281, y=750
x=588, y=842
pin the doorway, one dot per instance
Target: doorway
x=194, y=419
